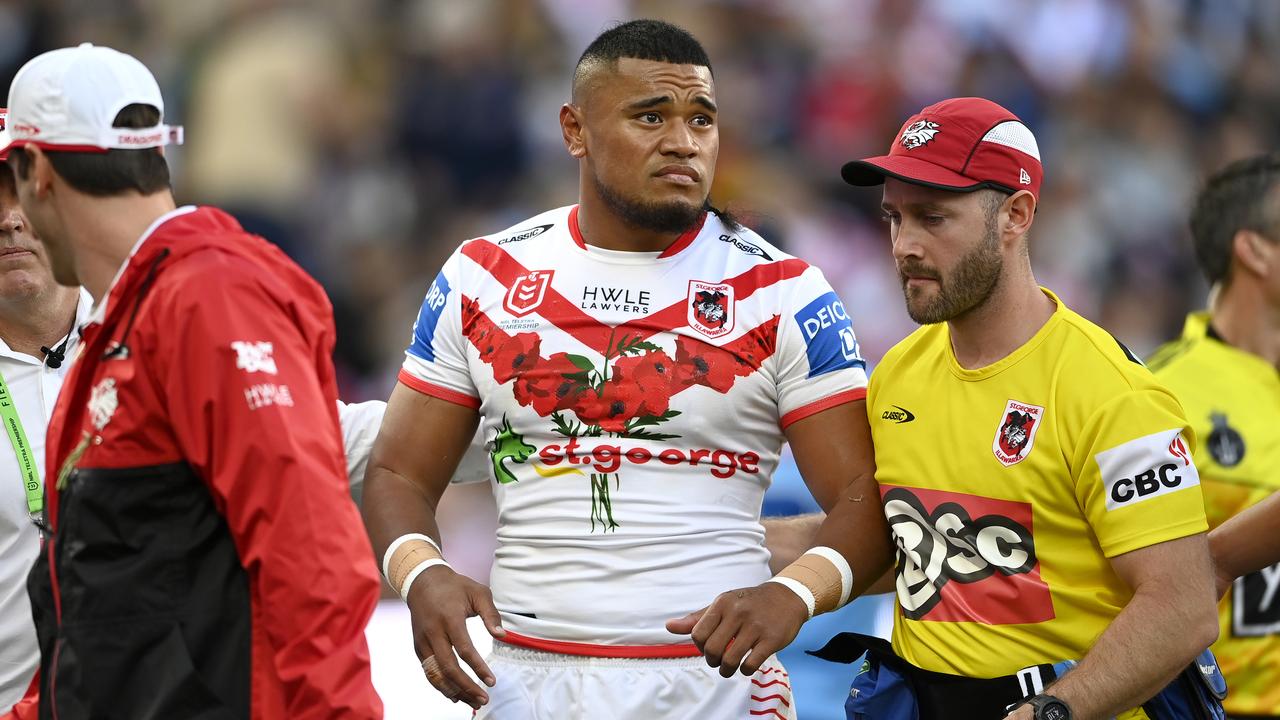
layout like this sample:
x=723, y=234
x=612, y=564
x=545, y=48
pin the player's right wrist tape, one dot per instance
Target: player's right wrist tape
x=821, y=578
x=406, y=558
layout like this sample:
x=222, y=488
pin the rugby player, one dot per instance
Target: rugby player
x=1224, y=371
x=1038, y=480
x=638, y=360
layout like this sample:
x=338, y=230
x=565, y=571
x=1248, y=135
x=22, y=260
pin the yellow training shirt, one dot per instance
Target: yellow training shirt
x=1008, y=488
x=1232, y=399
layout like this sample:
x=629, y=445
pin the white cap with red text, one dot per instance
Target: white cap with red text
x=68, y=99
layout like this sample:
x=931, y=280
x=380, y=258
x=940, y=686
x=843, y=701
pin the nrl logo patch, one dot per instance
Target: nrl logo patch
x=1017, y=434
x=103, y=403
x=527, y=293
x=711, y=308
x=919, y=133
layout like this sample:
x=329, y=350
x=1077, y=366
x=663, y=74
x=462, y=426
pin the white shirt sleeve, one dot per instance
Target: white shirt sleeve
x=360, y=423
x=819, y=362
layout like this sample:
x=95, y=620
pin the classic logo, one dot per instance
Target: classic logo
x=1017, y=432
x=1145, y=468
x=749, y=248
x=965, y=558
x=711, y=308
x=828, y=335
x=103, y=403
x=919, y=133
x=528, y=292
x=254, y=357
x=898, y=415
x=525, y=234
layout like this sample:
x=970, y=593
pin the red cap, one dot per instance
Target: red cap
x=960, y=144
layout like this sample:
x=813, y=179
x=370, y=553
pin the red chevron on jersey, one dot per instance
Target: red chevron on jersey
x=596, y=335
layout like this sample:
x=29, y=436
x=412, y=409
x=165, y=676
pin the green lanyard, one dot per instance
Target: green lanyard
x=21, y=448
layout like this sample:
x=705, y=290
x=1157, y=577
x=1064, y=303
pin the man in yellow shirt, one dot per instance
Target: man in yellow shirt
x=1223, y=369
x=1037, y=479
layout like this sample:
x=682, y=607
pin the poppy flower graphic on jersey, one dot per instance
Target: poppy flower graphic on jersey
x=701, y=363
x=627, y=394
x=516, y=356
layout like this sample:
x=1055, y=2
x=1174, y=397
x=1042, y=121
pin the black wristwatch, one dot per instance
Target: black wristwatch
x=1048, y=707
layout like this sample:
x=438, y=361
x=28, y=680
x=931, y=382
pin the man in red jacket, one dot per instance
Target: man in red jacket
x=203, y=558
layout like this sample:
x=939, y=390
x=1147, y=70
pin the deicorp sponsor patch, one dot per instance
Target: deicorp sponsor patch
x=828, y=336
x=1146, y=468
x=424, y=329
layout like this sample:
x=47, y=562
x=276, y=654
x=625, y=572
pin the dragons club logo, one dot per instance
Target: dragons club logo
x=919, y=133
x=711, y=308
x=527, y=292
x=1017, y=433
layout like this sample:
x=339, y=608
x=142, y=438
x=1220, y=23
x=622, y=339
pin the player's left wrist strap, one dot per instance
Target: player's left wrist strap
x=821, y=578
x=407, y=557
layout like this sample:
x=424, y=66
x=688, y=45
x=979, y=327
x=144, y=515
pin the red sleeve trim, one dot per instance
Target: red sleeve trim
x=825, y=403
x=605, y=651
x=436, y=391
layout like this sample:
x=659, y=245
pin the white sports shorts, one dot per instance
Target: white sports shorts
x=537, y=685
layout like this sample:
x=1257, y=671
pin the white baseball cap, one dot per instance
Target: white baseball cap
x=67, y=100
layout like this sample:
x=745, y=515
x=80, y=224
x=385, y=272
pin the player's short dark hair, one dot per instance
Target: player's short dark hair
x=642, y=40
x=1237, y=197
x=113, y=172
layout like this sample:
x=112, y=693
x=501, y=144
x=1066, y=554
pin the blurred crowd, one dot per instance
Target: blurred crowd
x=369, y=137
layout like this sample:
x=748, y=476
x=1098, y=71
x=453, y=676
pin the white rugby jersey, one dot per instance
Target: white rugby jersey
x=634, y=406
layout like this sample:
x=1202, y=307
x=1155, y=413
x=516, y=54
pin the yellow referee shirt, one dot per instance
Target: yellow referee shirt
x=1008, y=488
x=1232, y=399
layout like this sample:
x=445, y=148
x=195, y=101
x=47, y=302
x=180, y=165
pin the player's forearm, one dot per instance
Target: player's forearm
x=856, y=528
x=1247, y=542
x=1153, y=639
x=787, y=538
x=395, y=505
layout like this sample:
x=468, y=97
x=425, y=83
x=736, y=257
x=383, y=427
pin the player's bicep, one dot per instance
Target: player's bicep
x=832, y=449
x=1179, y=565
x=422, y=441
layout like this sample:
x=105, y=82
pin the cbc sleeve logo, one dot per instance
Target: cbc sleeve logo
x=828, y=336
x=424, y=328
x=1146, y=468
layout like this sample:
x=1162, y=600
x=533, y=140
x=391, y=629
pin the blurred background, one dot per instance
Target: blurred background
x=370, y=137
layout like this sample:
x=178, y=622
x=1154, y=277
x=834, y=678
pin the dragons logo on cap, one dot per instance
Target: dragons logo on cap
x=919, y=133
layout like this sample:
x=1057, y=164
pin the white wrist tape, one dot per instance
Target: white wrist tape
x=821, y=577
x=846, y=572
x=415, y=572
x=395, y=545
x=799, y=589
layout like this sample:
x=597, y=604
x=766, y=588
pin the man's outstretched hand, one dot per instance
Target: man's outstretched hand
x=744, y=627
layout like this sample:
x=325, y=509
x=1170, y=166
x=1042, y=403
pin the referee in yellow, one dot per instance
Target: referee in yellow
x=1037, y=479
x=1224, y=370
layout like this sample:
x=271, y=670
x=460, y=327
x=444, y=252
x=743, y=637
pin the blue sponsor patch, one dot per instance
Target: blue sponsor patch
x=424, y=329
x=828, y=336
